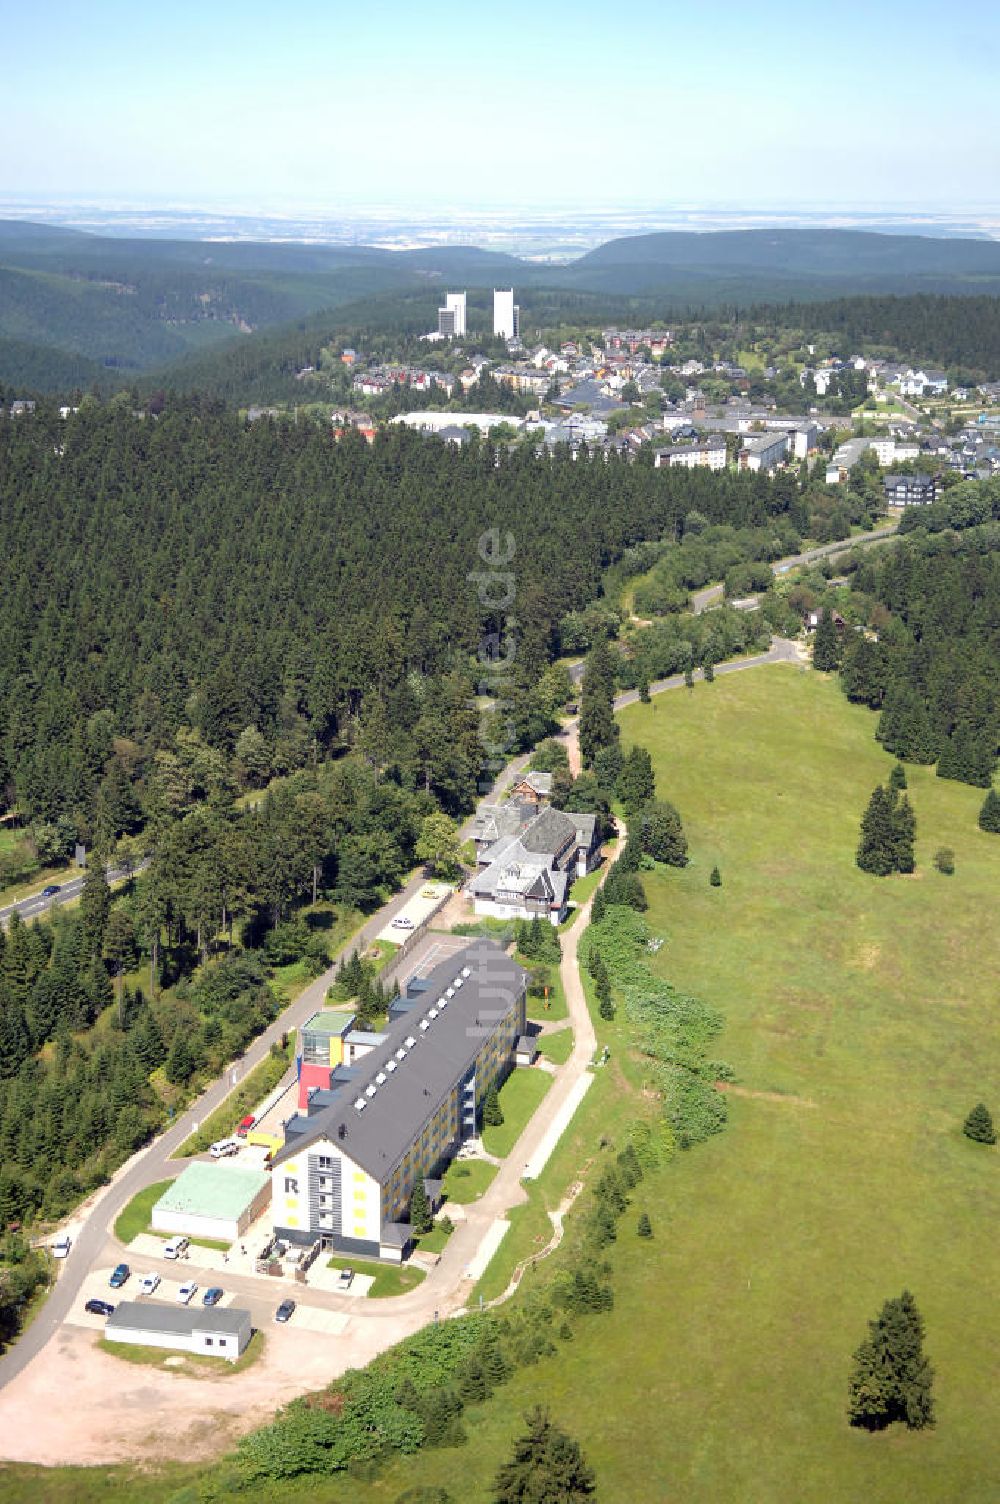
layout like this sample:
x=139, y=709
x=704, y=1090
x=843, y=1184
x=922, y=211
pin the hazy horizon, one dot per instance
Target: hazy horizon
x=220, y=105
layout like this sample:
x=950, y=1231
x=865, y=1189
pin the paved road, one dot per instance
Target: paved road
x=710, y=596
x=34, y=905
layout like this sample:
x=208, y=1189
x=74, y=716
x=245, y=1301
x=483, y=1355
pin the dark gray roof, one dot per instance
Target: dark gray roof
x=378, y=1135
x=549, y=832
x=178, y=1321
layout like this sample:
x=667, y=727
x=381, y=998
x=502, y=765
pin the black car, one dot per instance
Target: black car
x=212, y=1296
x=284, y=1311
x=51, y=890
x=99, y=1307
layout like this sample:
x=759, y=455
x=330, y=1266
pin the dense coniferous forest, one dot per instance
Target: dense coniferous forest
x=959, y=332
x=196, y=608
x=934, y=670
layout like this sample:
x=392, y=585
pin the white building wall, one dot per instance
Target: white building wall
x=503, y=313
x=494, y=910
x=195, y=1225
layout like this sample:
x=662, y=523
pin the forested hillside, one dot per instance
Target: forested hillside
x=198, y=607
x=952, y=331
x=934, y=670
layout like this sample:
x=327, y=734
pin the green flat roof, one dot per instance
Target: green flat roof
x=327, y=1021
x=209, y=1190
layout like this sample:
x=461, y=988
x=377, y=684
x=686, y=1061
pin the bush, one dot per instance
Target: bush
x=644, y=1228
x=944, y=860
x=715, y=878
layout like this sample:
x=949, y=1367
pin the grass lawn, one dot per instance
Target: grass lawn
x=553, y=1006
x=465, y=1180
x=223, y=1121
x=556, y=1047
x=390, y=1279
x=434, y=1241
x=519, y=1096
x=194, y=1365
x=133, y=1219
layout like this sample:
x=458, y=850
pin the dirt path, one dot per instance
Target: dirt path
x=764, y=1096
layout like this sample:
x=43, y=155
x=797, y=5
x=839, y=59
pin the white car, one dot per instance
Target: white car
x=61, y=1246
x=149, y=1284
x=402, y=922
x=185, y=1292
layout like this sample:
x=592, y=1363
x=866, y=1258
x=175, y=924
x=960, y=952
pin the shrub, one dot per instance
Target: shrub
x=644, y=1228
x=944, y=860
x=715, y=878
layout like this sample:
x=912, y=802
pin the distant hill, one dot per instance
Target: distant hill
x=788, y=263
x=138, y=306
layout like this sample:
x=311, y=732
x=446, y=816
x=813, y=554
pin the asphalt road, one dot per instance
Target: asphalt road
x=33, y=906
x=702, y=600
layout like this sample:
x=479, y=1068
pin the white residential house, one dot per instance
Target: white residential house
x=763, y=451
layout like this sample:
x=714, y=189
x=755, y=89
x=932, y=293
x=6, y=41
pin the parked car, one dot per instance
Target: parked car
x=50, y=890
x=99, y=1307
x=185, y=1292
x=212, y=1295
x=284, y=1311
x=149, y=1284
x=176, y=1248
x=119, y=1275
x=61, y=1246
x=402, y=922
x=246, y=1125
x=345, y=1279
x=223, y=1147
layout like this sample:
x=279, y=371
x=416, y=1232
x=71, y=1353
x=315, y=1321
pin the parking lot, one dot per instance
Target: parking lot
x=415, y=912
x=96, y=1287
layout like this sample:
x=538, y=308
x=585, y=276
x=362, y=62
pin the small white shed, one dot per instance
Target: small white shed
x=221, y=1332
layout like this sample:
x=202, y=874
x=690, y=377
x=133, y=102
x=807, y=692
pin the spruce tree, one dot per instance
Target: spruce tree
x=599, y=907
x=715, y=878
x=904, y=829
x=892, y=1378
x=545, y=1467
x=421, y=1219
x=645, y=1227
x=826, y=644
x=876, y=851
x=979, y=1125
x=492, y=1111
x=598, y=727
x=897, y=778
x=95, y=905
x=989, y=814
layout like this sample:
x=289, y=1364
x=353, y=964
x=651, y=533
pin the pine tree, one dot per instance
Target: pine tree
x=892, y=1378
x=877, y=847
x=904, y=829
x=598, y=907
x=421, y=1220
x=180, y=1061
x=826, y=644
x=897, y=778
x=636, y=781
x=989, y=814
x=715, y=878
x=545, y=1467
x=598, y=727
x=95, y=905
x=979, y=1125
x=709, y=671
x=644, y=1227
x=492, y=1111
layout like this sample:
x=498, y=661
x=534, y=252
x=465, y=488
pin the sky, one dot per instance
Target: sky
x=267, y=106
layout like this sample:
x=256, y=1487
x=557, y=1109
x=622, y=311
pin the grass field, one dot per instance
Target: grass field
x=860, y=1023
x=388, y=1279
x=465, y=1180
x=519, y=1096
x=557, y=1046
x=134, y=1218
